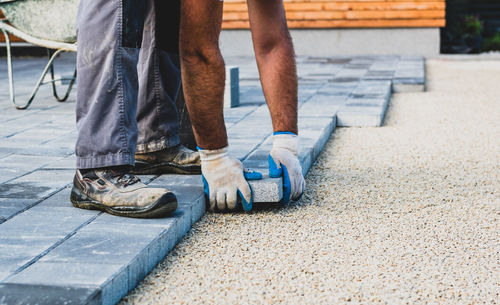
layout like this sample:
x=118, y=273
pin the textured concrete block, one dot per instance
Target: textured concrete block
x=402, y=88
x=42, y=294
x=232, y=88
x=318, y=110
x=110, y=278
x=10, y=207
x=267, y=189
x=355, y=116
x=103, y=247
x=45, y=273
x=38, y=184
x=34, y=224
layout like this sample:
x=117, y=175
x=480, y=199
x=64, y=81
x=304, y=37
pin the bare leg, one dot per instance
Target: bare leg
x=203, y=72
x=276, y=61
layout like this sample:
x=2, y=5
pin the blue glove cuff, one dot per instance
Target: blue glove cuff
x=284, y=132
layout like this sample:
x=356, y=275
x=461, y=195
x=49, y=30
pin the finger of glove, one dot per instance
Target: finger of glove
x=213, y=201
x=221, y=200
x=296, y=181
x=303, y=187
x=245, y=193
x=252, y=175
x=275, y=169
x=286, y=185
x=232, y=199
x=210, y=196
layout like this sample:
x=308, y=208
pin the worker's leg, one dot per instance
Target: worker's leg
x=203, y=71
x=276, y=61
x=158, y=148
x=109, y=38
x=159, y=77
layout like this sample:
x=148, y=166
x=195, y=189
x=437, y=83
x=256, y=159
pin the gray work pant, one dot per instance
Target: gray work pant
x=128, y=79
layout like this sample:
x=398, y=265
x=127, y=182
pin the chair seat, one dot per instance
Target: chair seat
x=46, y=19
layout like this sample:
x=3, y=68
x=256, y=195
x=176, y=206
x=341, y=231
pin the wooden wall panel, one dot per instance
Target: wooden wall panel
x=342, y=14
x=347, y=14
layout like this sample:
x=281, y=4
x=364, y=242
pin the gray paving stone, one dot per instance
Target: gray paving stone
x=26, y=162
x=38, y=184
x=58, y=200
x=113, y=283
x=10, y=207
x=48, y=295
x=232, y=88
x=364, y=116
x=401, y=88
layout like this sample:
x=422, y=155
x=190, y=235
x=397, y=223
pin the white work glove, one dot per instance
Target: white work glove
x=284, y=162
x=224, y=180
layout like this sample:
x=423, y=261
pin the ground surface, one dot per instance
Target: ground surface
x=406, y=213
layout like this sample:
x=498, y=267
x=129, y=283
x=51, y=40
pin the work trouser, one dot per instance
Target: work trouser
x=128, y=79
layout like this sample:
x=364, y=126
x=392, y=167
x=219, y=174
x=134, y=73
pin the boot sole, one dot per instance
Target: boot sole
x=162, y=207
x=142, y=168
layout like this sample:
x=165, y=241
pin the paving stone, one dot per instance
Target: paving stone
x=401, y=88
x=41, y=222
x=7, y=174
x=58, y=200
x=356, y=116
x=68, y=162
x=320, y=108
x=38, y=184
x=48, y=295
x=26, y=162
x=10, y=207
x=177, y=180
x=16, y=253
x=232, y=88
x=112, y=283
x=267, y=189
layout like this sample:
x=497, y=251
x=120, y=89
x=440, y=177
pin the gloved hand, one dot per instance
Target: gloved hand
x=284, y=162
x=224, y=180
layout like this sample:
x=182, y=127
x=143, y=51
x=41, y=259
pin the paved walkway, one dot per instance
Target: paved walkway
x=51, y=251
x=404, y=214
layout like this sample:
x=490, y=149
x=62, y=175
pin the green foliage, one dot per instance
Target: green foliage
x=470, y=25
x=492, y=43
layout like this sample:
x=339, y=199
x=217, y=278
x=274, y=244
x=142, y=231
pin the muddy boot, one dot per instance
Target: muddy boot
x=116, y=191
x=174, y=160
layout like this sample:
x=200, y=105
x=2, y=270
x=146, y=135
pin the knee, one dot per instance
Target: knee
x=272, y=43
x=202, y=53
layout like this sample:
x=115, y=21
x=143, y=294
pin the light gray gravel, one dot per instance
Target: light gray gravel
x=404, y=214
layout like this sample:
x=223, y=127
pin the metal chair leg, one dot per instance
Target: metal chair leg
x=53, y=81
x=11, y=76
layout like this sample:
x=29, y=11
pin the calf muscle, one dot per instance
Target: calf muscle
x=276, y=61
x=203, y=72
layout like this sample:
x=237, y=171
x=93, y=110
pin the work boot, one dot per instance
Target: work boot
x=116, y=191
x=173, y=160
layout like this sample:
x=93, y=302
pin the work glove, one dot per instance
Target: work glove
x=284, y=162
x=224, y=180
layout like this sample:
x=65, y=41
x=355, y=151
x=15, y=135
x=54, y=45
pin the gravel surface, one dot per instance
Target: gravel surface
x=406, y=213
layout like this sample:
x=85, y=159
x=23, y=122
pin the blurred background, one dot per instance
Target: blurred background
x=379, y=27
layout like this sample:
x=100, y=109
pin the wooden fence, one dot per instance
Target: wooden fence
x=347, y=14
